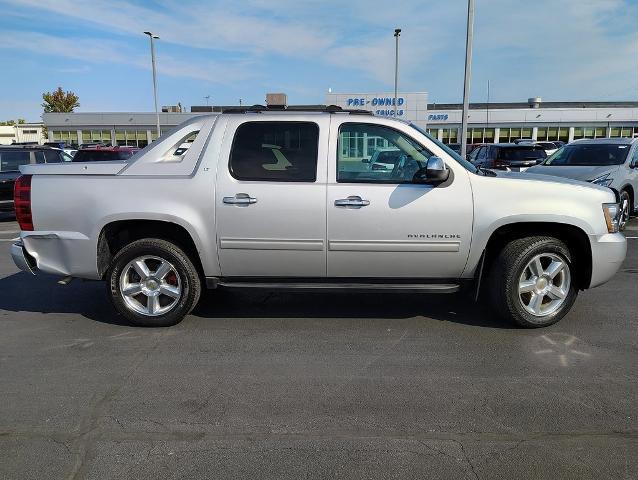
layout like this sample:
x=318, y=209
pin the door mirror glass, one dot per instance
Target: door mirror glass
x=365, y=160
x=433, y=172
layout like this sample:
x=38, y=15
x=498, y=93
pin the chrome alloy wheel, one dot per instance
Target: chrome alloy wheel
x=544, y=284
x=150, y=286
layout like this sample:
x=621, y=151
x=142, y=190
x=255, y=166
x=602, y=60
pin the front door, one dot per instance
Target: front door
x=270, y=198
x=382, y=225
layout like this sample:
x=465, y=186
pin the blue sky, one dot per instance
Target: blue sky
x=558, y=49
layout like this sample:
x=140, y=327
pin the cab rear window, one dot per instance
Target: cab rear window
x=275, y=152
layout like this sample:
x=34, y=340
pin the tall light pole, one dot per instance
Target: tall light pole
x=468, y=75
x=397, y=34
x=152, y=37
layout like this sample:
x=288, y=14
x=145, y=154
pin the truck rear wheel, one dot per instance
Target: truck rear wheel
x=153, y=283
x=531, y=281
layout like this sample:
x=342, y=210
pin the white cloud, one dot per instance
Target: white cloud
x=555, y=48
x=96, y=51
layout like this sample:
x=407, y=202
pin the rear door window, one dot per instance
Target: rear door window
x=53, y=156
x=521, y=154
x=275, y=152
x=11, y=161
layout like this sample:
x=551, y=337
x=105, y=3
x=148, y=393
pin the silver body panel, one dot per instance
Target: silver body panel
x=295, y=229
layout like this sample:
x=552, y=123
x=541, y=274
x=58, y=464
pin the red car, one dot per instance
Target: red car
x=104, y=154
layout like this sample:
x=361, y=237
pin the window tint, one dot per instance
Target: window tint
x=275, y=152
x=52, y=156
x=90, y=155
x=395, y=164
x=521, y=153
x=589, y=154
x=11, y=161
x=482, y=155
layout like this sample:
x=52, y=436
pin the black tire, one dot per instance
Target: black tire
x=186, y=276
x=506, y=271
x=625, y=199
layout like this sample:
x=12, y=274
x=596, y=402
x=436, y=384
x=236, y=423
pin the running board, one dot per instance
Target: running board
x=370, y=287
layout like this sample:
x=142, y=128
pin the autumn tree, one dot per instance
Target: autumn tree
x=60, y=101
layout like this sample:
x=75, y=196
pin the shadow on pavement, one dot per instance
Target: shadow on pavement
x=22, y=292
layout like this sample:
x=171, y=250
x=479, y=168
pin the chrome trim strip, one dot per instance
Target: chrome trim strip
x=392, y=246
x=400, y=287
x=270, y=244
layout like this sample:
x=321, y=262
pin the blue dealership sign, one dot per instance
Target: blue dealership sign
x=379, y=102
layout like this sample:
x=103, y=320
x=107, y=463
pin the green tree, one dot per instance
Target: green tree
x=60, y=101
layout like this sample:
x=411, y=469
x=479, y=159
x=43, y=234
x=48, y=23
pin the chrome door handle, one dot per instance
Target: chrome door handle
x=242, y=199
x=353, y=201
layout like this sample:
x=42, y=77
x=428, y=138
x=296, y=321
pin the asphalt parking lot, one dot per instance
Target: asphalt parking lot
x=272, y=385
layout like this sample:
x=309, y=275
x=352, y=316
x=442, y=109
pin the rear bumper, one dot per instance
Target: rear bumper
x=57, y=253
x=608, y=253
x=22, y=259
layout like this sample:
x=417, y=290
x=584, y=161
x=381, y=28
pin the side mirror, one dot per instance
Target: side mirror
x=365, y=160
x=433, y=172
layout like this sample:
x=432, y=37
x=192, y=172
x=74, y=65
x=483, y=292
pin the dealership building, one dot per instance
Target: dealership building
x=488, y=123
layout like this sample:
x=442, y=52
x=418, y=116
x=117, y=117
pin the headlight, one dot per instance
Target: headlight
x=612, y=216
x=603, y=180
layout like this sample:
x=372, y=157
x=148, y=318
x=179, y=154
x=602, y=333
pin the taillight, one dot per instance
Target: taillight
x=22, y=202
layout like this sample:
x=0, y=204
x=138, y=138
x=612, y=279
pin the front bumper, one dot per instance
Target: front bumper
x=608, y=253
x=22, y=259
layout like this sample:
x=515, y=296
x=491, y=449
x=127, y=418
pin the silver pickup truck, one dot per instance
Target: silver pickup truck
x=286, y=199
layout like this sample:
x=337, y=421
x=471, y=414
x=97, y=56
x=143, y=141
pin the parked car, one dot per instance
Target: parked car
x=609, y=162
x=384, y=158
x=550, y=147
x=515, y=157
x=12, y=157
x=274, y=201
x=104, y=154
x=455, y=146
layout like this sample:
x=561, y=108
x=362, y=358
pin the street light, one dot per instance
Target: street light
x=152, y=37
x=397, y=34
x=468, y=75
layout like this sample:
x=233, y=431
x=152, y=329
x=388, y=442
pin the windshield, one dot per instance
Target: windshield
x=101, y=155
x=588, y=154
x=464, y=163
x=521, y=153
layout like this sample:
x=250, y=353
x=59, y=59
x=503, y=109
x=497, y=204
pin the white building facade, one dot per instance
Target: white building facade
x=494, y=123
x=21, y=133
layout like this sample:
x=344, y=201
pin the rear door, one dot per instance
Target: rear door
x=271, y=196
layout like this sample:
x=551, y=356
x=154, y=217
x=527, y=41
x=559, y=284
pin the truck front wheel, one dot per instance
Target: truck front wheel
x=153, y=283
x=531, y=282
